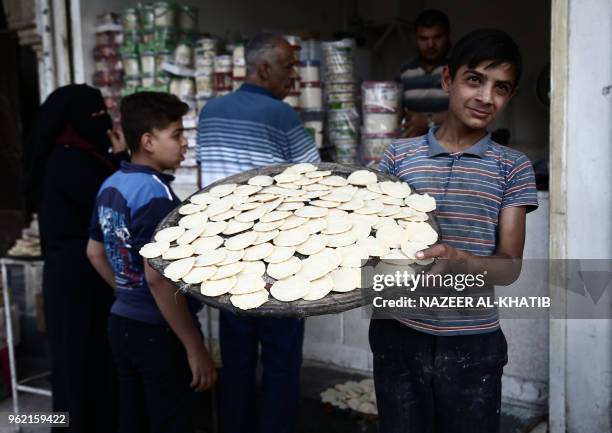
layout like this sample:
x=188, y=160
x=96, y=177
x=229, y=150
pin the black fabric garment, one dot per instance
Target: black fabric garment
x=281, y=341
x=68, y=105
x=77, y=300
x=154, y=378
x=83, y=380
x=431, y=384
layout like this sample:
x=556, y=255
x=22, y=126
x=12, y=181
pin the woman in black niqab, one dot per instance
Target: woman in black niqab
x=69, y=159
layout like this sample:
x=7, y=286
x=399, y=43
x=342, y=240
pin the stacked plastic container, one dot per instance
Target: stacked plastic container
x=205, y=53
x=311, y=99
x=381, y=119
x=108, y=75
x=311, y=91
x=341, y=99
x=293, y=98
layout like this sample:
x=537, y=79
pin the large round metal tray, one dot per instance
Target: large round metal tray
x=332, y=303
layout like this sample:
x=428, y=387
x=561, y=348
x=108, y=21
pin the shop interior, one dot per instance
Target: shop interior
x=381, y=35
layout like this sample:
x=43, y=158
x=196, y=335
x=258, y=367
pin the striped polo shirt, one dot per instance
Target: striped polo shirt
x=422, y=90
x=470, y=188
x=247, y=129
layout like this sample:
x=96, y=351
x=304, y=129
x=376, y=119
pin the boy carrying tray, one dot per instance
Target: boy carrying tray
x=154, y=335
x=442, y=375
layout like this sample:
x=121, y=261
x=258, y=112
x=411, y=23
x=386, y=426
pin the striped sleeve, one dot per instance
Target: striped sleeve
x=387, y=163
x=520, y=187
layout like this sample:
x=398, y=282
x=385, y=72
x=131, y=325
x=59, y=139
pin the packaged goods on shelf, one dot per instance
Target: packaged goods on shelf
x=108, y=73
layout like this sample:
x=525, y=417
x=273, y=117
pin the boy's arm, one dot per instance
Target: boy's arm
x=97, y=257
x=173, y=306
x=511, y=240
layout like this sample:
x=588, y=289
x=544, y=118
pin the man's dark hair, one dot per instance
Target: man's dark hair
x=144, y=111
x=485, y=45
x=260, y=48
x=432, y=18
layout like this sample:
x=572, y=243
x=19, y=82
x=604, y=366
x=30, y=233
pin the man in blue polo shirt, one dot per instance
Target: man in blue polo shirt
x=253, y=127
x=436, y=372
x=246, y=129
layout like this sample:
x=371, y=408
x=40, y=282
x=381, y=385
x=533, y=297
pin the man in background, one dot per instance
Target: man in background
x=251, y=128
x=425, y=103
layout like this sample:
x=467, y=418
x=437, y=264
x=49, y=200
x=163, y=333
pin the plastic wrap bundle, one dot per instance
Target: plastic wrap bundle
x=339, y=60
x=381, y=118
x=343, y=134
x=341, y=99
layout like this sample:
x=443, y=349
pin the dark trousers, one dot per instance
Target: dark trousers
x=430, y=384
x=83, y=379
x=281, y=354
x=154, y=378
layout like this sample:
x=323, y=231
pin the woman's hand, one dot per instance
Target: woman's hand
x=117, y=140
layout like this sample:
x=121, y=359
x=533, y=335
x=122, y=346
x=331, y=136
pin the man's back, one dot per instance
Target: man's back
x=250, y=128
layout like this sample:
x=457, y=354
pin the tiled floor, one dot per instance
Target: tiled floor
x=313, y=417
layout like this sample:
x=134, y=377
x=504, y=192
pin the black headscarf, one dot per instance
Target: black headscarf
x=72, y=106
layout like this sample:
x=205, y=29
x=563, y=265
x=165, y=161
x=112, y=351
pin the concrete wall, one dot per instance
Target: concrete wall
x=589, y=206
x=526, y=374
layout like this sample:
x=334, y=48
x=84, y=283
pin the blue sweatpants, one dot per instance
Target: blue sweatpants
x=281, y=355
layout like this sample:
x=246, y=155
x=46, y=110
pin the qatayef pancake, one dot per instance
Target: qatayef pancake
x=250, y=300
